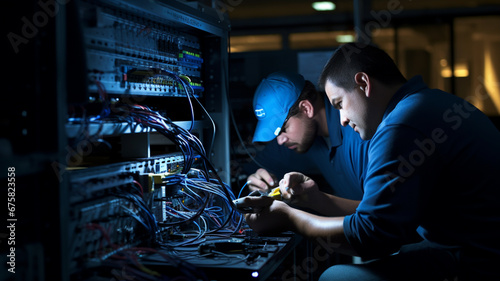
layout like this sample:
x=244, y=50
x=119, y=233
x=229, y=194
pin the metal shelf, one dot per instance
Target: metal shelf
x=119, y=128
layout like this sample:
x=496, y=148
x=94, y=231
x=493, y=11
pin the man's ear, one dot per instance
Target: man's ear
x=307, y=108
x=363, y=82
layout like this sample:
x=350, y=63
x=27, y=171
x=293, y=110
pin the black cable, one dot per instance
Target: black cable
x=233, y=121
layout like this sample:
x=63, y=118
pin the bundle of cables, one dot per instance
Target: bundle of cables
x=205, y=205
x=189, y=144
x=141, y=213
x=205, y=190
x=191, y=148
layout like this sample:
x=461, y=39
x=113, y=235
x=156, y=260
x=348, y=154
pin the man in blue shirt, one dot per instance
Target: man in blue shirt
x=432, y=170
x=304, y=136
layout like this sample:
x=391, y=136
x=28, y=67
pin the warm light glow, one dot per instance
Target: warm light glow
x=319, y=39
x=491, y=78
x=461, y=70
x=252, y=43
x=323, y=6
x=345, y=38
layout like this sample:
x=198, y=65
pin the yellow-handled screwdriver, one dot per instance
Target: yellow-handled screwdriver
x=275, y=193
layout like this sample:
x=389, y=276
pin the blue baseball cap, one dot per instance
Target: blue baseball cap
x=272, y=101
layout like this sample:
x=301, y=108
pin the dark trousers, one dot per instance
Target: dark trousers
x=420, y=261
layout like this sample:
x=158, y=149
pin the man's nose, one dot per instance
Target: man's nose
x=281, y=139
x=344, y=121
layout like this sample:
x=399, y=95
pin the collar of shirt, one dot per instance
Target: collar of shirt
x=413, y=85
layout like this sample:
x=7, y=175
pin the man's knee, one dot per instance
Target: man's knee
x=344, y=272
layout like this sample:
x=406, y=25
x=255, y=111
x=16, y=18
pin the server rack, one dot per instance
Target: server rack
x=71, y=64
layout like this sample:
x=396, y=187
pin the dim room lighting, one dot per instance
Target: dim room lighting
x=323, y=6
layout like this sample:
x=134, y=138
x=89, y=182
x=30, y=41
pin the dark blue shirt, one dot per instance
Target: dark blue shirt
x=433, y=168
x=342, y=164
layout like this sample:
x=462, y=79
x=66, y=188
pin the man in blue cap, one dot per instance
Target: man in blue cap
x=309, y=137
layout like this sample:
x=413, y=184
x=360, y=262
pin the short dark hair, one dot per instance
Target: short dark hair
x=352, y=58
x=309, y=93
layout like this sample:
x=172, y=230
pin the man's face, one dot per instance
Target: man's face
x=354, y=109
x=298, y=133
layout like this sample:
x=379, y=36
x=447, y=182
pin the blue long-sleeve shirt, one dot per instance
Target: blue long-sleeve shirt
x=433, y=168
x=342, y=164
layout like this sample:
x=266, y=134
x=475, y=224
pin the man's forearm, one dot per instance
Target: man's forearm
x=328, y=230
x=331, y=205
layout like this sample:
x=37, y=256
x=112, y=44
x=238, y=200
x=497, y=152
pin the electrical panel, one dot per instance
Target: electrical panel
x=129, y=53
x=118, y=133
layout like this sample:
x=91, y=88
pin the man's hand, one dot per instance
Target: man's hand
x=262, y=180
x=298, y=188
x=270, y=216
x=302, y=191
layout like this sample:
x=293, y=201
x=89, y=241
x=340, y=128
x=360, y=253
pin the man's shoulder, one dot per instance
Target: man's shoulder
x=421, y=108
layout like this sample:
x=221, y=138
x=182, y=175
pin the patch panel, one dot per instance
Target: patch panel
x=127, y=51
x=91, y=187
x=101, y=226
x=101, y=220
x=88, y=181
x=170, y=163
